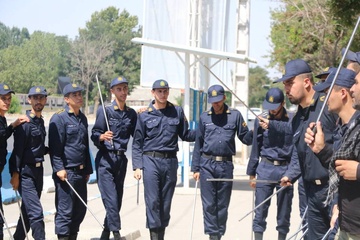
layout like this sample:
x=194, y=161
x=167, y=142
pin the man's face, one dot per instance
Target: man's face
x=277, y=113
x=120, y=91
x=161, y=95
x=74, y=100
x=334, y=102
x=218, y=106
x=37, y=102
x=294, y=88
x=5, y=101
x=355, y=92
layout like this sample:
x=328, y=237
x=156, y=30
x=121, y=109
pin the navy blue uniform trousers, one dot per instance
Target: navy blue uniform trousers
x=268, y=171
x=111, y=171
x=31, y=184
x=160, y=176
x=70, y=211
x=215, y=196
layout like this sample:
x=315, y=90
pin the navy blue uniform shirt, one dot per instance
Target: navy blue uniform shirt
x=121, y=123
x=216, y=134
x=310, y=164
x=5, y=133
x=269, y=144
x=158, y=130
x=69, y=141
x=29, y=143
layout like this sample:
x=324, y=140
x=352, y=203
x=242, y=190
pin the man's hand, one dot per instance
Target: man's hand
x=252, y=184
x=62, y=175
x=334, y=216
x=196, y=176
x=347, y=168
x=20, y=120
x=107, y=136
x=285, y=181
x=264, y=122
x=15, y=181
x=316, y=142
x=137, y=174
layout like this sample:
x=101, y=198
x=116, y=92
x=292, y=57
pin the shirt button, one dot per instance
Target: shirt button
x=219, y=141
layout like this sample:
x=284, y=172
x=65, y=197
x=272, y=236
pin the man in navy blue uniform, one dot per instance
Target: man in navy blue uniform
x=212, y=158
x=110, y=161
x=26, y=166
x=154, y=152
x=70, y=159
x=354, y=60
x=298, y=83
x=5, y=133
x=341, y=103
x=275, y=151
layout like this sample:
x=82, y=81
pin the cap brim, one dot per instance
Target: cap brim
x=6, y=92
x=321, y=86
x=350, y=55
x=285, y=77
x=215, y=99
x=270, y=106
x=322, y=75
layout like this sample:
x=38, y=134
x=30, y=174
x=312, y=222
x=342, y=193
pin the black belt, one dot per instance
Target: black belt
x=275, y=162
x=37, y=164
x=161, y=154
x=76, y=168
x=118, y=152
x=217, y=158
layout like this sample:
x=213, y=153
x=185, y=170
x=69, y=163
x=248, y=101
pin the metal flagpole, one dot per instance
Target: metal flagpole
x=21, y=214
x=193, y=213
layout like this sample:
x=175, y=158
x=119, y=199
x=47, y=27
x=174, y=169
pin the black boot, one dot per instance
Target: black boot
x=117, y=235
x=73, y=236
x=214, y=237
x=161, y=232
x=154, y=235
x=282, y=236
x=258, y=236
x=63, y=237
x=105, y=235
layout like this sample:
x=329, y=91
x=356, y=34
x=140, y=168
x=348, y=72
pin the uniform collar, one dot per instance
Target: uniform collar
x=151, y=107
x=70, y=111
x=116, y=107
x=226, y=110
x=32, y=115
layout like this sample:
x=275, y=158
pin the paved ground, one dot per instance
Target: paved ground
x=133, y=215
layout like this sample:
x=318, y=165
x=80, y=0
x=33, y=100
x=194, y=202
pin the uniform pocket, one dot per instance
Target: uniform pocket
x=152, y=127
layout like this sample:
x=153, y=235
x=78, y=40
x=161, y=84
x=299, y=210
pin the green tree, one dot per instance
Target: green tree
x=346, y=11
x=307, y=29
x=35, y=62
x=89, y=57
x=120, y=28
x=12, y=36
x=258, y=83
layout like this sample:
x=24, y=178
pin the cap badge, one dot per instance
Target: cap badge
x=119, y=79
x=37, y=90
x=6, y=87
x=213, y=93
x=271, y=99
x=74, y=85
x=162, y=83
x=326, y=69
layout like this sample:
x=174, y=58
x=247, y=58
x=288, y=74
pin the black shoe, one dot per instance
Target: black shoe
x=73, y=236
x=105, y=235
x=282, y=236
x=154, y=235
x=63, y=237
x=214, y=237
x=117, y=235
x=258, y=235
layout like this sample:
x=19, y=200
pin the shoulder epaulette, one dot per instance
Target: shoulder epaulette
x=60, y=111
x=209, y=112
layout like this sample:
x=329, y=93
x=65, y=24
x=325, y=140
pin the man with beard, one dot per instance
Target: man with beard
x=212, y=158
x=26, y=166
x=70, y=159
x=298, y=83
x=154, y=152
x=275, y=151
x=5, y=133
x=343, y=162
x=110, y=161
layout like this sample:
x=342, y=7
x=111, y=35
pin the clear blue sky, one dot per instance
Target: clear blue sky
x=65, y=17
